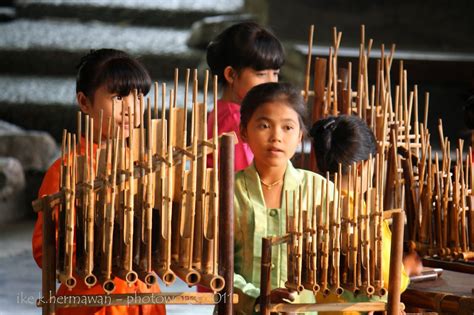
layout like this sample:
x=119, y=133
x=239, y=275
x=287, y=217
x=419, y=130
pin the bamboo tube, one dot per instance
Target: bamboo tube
x=138, y=152
x=319, y=85
x=346, y=227
x=89, y=278
x=300, y=239
x=201, y=179
x=126, y=272
x=210, y=244
x=378, y=276
x=156, y=96
x=325, y=245
x=163, y=268
x=66, y=276
x=313, y=270
x=308, y=63
x=395, y=265
x=463, y=238
x=365, y=233
x=62, y=207
x=338, y=290
x=355, y=235
x=184, y=270
x=107, y=284
x=470, y=181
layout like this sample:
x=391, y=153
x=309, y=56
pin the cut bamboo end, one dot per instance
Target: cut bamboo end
x=338, y=291
x=190, y=276
x=214, y=282
x=109, y=286
x=69, y=281
x=167, y=276
x=90, y=280
x=151, y=278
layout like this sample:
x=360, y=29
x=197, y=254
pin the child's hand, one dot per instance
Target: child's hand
x=281, y=294
x=412, y=264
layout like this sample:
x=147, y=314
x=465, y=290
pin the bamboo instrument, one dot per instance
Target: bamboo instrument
x=184, y=269
x=126, y=271
x=308, y=63
x=201, y=178
x=89, y=278
x=163, y=266
x=62, y=207
x=355, y=234
x=210, y=277
x=338, y=290
x=325, y=243
x=107, y=282
x=365, y=232
x=69, y=176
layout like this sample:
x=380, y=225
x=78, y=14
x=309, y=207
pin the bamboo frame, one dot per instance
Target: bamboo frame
x=129, y=180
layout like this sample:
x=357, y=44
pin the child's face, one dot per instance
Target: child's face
x=240, y=82
x=273, y=133
x=104, y=100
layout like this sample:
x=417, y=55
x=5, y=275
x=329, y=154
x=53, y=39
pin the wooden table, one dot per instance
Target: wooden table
x=451, y=293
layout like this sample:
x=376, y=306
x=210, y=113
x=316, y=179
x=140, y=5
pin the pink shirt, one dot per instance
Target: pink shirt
x=228, y=120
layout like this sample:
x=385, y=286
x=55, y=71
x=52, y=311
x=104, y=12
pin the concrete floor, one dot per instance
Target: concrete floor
x=20, y=277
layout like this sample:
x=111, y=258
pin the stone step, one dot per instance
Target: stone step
x=177, y=13
x=48, y=104
x=55, y=47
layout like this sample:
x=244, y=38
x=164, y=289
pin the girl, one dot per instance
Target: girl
x=345, y=140
x=104, y=75
x=272, y=125
x=242, y=56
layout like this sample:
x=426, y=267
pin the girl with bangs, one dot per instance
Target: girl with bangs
x=104, y=76
x=242, y=56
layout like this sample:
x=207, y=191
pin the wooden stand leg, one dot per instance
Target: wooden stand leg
x=265, y=283
x=396, y=256
x=226, y=224
x=48, y=260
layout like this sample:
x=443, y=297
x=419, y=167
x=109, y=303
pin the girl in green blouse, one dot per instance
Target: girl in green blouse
x=272, y=124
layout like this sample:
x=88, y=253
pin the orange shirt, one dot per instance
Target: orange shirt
x=50, y=185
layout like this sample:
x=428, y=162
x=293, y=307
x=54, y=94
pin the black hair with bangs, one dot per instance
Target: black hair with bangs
x=273, y=92
x=115, y=69
x=244, y=45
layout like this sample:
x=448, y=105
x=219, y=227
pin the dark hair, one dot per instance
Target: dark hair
x=116, y=69
x=343, y=139
x=244, y=45
x=271, y=92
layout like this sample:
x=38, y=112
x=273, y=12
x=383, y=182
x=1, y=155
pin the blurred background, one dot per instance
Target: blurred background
x=41, y=42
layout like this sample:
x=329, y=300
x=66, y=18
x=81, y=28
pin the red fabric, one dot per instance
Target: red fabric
x=228, y=120
x=51, y=185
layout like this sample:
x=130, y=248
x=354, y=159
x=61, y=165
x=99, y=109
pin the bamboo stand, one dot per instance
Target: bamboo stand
x=110, y=195
x=226, y=259
x=392, y=307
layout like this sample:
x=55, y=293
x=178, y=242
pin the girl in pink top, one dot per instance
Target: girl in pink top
x=242, y=56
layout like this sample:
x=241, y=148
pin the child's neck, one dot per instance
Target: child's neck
x=228, y=96
x=270, y=174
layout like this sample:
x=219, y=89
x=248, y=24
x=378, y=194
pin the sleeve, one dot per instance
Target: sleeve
x=229, y=123
x=49, y=185
x=247, y=291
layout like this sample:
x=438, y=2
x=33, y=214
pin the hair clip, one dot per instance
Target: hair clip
x=329, y=124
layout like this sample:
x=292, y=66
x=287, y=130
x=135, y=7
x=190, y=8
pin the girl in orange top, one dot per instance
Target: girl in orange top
x=104, y=75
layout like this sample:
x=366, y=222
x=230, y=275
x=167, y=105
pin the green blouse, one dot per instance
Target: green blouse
x=253, y=220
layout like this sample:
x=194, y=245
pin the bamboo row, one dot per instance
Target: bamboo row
x=120, y=193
